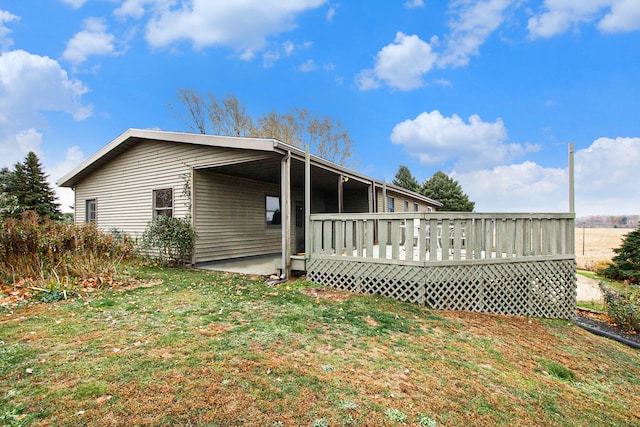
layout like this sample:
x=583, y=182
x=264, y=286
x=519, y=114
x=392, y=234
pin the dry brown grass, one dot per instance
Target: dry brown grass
x=594, y=246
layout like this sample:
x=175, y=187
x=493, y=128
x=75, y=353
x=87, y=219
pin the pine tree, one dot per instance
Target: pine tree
x=447, y=191
x=626, y=264
x=27, y=187
x=405, y=179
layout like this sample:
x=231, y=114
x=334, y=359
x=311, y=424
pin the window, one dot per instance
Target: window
x=163, y=202
x=406, y=206
x=274, y=217
x=90, y=210
x=415, y=207
x=429, y=209
x=390, y=204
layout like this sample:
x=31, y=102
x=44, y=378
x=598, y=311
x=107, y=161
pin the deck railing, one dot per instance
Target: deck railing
x=521, y=264
x=442, y=237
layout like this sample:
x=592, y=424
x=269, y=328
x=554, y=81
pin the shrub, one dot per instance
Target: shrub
x=169, y=239
x=625, y=265
x=623, y=306
x=45, y=251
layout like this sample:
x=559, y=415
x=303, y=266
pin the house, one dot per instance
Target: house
x=235, y=191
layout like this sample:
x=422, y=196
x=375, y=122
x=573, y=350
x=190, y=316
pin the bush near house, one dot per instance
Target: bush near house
x=623, y=301
x=169, y=240
x=40, y=253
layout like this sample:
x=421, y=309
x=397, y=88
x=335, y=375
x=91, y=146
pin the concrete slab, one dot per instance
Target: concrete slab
x=588, y=289
x=258, y=266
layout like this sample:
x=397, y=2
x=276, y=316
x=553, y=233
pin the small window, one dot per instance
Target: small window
x=90, y=210
x=390, y=204
x=163, y=202
x=415, y=207
x=429, y=209
x=406, y=206
x=274, y=217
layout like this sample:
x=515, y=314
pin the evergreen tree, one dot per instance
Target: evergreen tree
x=626, y=264
x=7, y=201
x=447, y=191
x=28, y=189
x=404, y=179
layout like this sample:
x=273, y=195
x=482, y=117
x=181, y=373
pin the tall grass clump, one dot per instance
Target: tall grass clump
x=43, y=251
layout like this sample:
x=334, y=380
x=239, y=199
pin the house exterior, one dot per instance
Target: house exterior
x=245, y=196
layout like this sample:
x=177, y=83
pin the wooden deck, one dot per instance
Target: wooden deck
x=521, y=264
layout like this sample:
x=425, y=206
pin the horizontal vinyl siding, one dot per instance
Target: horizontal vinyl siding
x=123, y=188
x=230, y=217
x=356, y=201
x=399, y=202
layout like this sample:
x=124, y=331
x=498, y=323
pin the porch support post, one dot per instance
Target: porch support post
x=340, y=193
x=192, y=203
x=572, y=197
x=384, y=196
x=307, y=203
x=285, y=191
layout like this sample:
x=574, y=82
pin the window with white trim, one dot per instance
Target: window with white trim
x=415, y=207
x=274, y=215
x=90, y=210
x=391, y=204
x=163, y=202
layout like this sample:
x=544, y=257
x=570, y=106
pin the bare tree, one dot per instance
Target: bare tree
x=230, y=118
x=196, y=107
x=327, y=137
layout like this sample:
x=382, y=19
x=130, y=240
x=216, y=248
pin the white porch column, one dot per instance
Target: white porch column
x=307, y=203
x=285, y=208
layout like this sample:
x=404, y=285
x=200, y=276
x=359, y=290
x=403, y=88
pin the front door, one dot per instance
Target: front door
x=300, y=220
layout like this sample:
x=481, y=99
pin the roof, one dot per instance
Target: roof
x=133, y=136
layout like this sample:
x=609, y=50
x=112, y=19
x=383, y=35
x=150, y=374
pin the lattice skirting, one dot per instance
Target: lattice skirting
x=530, y=288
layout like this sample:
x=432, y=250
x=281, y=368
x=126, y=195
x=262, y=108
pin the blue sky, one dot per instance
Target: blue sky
x=490, y=91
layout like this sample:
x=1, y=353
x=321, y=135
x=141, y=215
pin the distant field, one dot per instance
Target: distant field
x=598, y=244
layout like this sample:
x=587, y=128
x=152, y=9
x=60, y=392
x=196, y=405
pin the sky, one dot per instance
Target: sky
x=491, y=92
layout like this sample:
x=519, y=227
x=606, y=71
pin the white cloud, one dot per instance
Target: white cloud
x=307, y=66
x=136, y=8
x=412, y=4
x=561, y=15
x=435, y=139
x=30, y=85
x=331, y=13
x=92, y=40
x=76, y=4
x=404, y=63
x=243, y=26
x=606, y=177
x=73, y=157
x=5, y=41
x=523, y=187
x=400, y=65
x=474, y=22
x=270, y=57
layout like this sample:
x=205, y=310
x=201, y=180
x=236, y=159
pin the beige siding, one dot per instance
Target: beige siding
x=230, y=217
x=123, y=188
x=356, y=201
x=399, y=202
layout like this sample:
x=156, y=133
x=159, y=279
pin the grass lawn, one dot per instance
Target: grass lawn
x=202, y=348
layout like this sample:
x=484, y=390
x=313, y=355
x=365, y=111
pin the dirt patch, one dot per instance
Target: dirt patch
x=327, y=293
